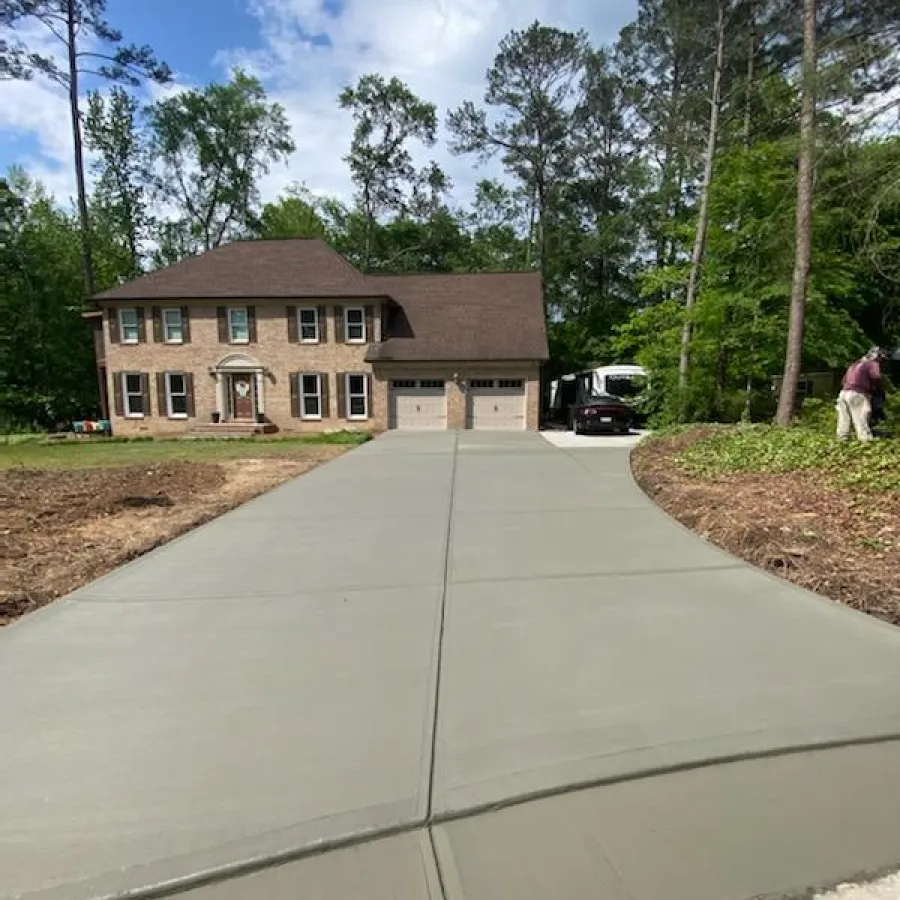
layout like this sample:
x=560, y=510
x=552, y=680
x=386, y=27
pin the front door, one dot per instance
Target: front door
x=242, y=397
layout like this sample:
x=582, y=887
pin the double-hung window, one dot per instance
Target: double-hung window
x=133, y=395
x=308, y=325
x=311, y=396
x=238, y=325
x=355, y=325
x=173, y=327
x=129, y=327
x=176, y=395
x=357, y=397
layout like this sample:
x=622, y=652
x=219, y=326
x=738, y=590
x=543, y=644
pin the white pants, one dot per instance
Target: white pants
x=853, y=409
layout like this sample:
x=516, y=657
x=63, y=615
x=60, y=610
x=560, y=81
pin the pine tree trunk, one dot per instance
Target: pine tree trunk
x=805, y=180
x=684, y=362
x=83, y=217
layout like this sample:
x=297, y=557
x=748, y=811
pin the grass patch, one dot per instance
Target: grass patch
x=770, y=450
x=90, y=453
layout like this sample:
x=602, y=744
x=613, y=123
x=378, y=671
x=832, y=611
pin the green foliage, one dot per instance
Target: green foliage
x=294, y=214
x=46, y=358
x=212, y=146
x=774, y=450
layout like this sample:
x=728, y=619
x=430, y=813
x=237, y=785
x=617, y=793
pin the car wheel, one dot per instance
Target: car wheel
x=576, y=428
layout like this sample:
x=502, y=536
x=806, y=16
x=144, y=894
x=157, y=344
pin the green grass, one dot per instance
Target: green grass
x=39, y=453
x=768, y=449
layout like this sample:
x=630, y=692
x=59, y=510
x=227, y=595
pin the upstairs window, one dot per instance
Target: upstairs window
x=355, y=325
x=129, y=327
x=173, y=328
x=308, y=325
x=238, y=325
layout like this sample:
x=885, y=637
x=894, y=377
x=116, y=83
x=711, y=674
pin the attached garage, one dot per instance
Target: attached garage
x=418, y=404
x=496, y=404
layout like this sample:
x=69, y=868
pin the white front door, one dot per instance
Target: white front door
x=496, y=403
x=418, y=404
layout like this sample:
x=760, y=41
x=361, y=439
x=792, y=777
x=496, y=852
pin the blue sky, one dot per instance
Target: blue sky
x=305, y=52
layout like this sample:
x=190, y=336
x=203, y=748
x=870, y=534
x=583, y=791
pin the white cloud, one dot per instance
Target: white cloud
x=441, y=48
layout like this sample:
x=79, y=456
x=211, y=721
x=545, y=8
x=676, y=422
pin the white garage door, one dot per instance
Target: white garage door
x=497, y=403
x=418, y=404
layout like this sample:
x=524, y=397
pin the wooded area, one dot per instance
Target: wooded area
x=716, y=195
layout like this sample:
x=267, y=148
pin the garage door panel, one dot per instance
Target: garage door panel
x=418, y=405
x=496, y=404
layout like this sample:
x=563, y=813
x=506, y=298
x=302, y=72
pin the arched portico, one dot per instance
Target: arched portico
x=240, y=388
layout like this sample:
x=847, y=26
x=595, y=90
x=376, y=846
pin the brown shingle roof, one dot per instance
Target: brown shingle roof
x=482, y=316
x=304, y=267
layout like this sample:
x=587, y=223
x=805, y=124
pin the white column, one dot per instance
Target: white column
x=220, y=396
x=260, y=400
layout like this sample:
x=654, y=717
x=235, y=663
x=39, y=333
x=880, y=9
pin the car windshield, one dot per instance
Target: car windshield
x=625, y=385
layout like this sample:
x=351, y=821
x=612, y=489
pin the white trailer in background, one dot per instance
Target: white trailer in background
x=624, y=381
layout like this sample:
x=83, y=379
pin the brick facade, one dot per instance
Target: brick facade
x=276, y=347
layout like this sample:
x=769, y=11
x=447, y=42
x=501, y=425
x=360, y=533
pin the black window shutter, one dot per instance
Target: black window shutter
x=323, y=324
x=118, y=399
x=251, y=323
x=189, y=387
x=142, y=327
x=342, y=395
x=291, y=313
x=156, y=314
x=185, y=325
x=323, y=386
x=161, y=393
x=370, y=323
x=369, y=395
x=294, y=378
x=222, y=316
x=112, y=316
x=145, y=390
x=339, y=324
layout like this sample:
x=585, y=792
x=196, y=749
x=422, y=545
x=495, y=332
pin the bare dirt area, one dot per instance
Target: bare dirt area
x=62, y=529
x=839, y=543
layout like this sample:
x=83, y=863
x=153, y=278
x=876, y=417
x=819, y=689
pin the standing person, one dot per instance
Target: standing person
x=854, y=406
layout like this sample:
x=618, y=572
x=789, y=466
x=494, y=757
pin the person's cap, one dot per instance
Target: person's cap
x=876, y=353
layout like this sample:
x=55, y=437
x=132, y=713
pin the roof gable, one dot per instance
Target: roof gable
x=299, y=267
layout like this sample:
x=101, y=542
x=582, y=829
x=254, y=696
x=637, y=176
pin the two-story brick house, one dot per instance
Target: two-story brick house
x=288, y=336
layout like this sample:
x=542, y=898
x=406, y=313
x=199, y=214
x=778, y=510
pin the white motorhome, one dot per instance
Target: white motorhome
x=624, y=381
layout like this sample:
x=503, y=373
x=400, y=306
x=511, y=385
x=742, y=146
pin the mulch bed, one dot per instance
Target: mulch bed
x=837, y=543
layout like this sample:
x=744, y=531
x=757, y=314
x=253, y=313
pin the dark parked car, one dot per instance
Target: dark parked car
x=602, y=413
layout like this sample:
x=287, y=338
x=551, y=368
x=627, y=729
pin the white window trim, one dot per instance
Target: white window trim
x=137, y=338
x=126, y=406
x=231, y=338
x=364, y=394
x=169, y=412
x=361, y=310
x=315, y=311
x=165, y=328
x=303, y=395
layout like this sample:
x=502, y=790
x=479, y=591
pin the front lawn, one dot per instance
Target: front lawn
x=823, y=514
x=80, y=453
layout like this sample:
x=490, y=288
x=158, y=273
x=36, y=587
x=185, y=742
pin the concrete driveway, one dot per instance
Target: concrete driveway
x=446, y=665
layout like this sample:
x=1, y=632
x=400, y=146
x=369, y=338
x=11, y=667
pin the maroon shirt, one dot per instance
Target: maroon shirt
x=863, y=376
